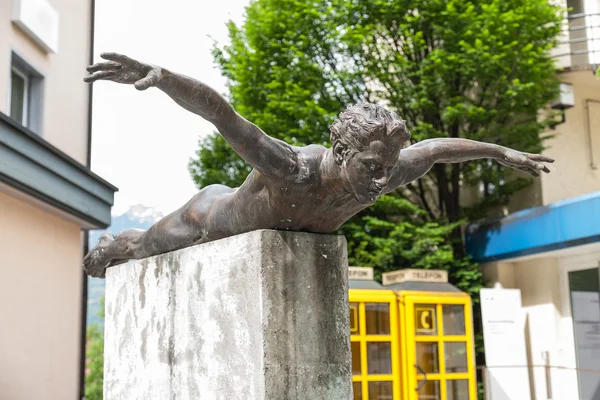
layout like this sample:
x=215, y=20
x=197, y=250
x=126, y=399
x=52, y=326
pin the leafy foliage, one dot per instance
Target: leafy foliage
x=473, y=69
x=94, y=371
x=476, y=69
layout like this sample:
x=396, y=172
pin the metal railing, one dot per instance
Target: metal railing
x=582, y=37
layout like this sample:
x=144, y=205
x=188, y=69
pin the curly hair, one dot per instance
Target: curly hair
x=360, y=124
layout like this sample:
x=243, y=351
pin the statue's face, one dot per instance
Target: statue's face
x=366, y=173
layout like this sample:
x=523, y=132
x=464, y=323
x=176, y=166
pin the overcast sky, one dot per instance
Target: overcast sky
x=142, y=141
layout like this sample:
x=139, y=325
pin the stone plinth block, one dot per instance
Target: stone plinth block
x=262, y=315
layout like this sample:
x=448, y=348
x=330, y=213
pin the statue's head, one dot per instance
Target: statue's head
x=366, y=142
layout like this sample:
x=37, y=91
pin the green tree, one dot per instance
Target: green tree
x=476, y=69
x=473, y=69
x=94, y=371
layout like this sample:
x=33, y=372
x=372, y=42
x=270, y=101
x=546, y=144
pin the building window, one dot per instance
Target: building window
x=19, y=95
x=26, y=89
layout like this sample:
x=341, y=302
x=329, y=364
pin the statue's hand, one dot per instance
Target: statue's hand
x=530, y=163
x=122, y=69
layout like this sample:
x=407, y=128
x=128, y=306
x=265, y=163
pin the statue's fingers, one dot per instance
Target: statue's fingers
x=120, y=58
x=98, y=75
x=532, y=172
x=539, y=157
x=104, y=66
x=538, y=166
x=529, y=171
x=532, y=165
x=150, y=80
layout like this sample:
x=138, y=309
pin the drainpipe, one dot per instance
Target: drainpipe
x=84, y=277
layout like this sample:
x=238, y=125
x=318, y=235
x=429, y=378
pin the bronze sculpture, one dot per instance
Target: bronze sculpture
x=311, y=188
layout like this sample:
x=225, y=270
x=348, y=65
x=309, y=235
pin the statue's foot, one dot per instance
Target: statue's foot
x=96, y=261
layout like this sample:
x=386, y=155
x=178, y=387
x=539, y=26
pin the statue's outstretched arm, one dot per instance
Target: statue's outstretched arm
x=416, y=160
x=268, y=155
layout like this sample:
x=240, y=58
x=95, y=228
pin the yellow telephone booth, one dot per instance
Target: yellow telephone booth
x=438, y=359
x=411, y=338
x=373, y=338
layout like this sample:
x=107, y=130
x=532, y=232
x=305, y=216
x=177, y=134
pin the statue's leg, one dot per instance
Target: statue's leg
x=177, y=230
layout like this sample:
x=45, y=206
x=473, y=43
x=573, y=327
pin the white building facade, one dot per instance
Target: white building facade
x=551, y=251
x=48, y=196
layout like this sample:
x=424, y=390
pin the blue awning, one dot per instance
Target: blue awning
x=559, y=225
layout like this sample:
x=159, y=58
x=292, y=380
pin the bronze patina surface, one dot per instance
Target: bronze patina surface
x=311, y=188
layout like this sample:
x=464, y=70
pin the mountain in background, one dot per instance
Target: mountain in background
x=137, y=217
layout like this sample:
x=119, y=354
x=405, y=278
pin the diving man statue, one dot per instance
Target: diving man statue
x=311, y=188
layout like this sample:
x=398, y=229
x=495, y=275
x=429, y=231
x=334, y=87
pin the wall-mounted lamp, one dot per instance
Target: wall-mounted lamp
x=566, y=99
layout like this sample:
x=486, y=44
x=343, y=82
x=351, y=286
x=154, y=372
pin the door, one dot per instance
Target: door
x=374, y=345
x=578, y=333
x=439, y=360
x=584, y=294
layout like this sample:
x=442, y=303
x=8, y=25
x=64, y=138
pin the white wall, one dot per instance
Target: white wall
x=576, y=145
x=538, y=280
x=65, y=106
x=40, y=252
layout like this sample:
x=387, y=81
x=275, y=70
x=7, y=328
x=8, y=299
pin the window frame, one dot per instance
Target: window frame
x=34, y=101
x=14, y=69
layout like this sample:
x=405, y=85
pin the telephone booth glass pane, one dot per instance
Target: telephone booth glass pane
x=425, y=320
x=430, y=391
x=456, y=356
x=356, y=358
x=354, y=319
x=357, y=389
x=427, y=357
x=380, y=391
x=379, y=358
x=454, y=319
x=457, y=389
x=378, y=318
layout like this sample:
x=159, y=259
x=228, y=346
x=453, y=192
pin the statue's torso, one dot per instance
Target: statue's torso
x=305, y=202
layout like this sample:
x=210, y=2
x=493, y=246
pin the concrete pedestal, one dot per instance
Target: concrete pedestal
x=262, y=315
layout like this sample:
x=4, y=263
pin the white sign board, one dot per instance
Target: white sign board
x=586, y=322
x=360, y=273
x=415, y=275
x=504, y=339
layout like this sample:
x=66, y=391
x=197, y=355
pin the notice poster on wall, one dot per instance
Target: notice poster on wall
x=504, y=339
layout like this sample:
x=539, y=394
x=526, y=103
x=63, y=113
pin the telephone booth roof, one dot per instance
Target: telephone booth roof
x=423, y=287
x=362, y=284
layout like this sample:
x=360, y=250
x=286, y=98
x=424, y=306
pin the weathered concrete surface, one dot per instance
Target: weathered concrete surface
x=262, y=315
